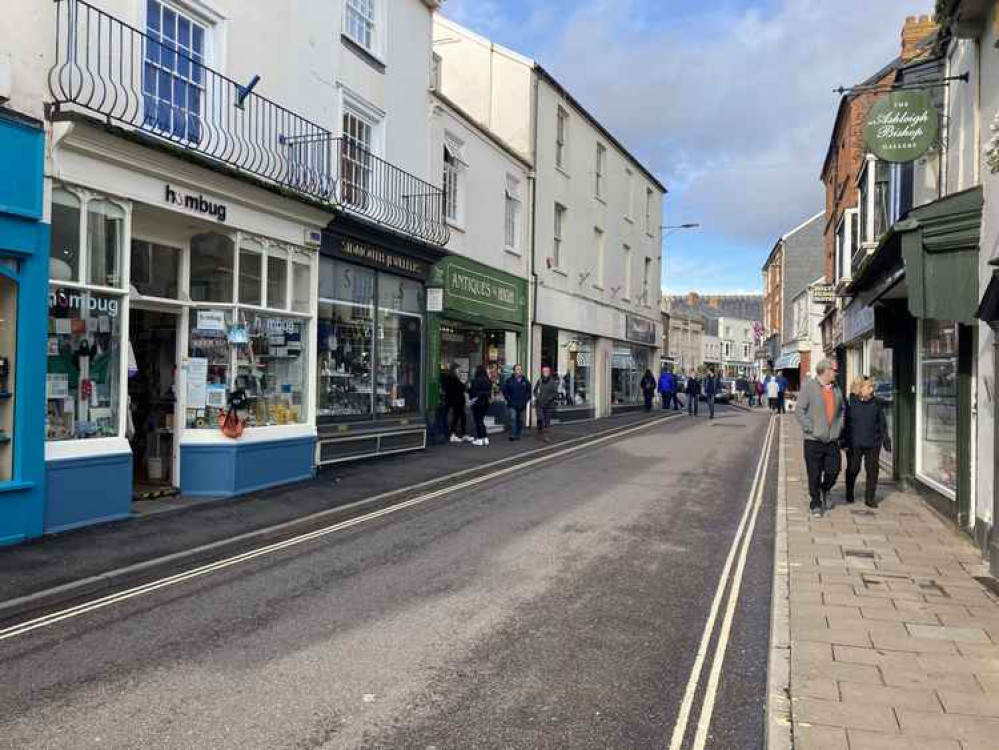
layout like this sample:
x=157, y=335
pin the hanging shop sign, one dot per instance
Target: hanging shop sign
x=475, y=289
x=824, y=294
x=641, y=330
x=901, y=126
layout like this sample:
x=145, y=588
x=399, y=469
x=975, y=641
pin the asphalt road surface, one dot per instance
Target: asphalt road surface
x=558, y=607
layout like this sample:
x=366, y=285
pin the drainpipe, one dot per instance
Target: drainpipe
x=533, y=181
x=994, y=526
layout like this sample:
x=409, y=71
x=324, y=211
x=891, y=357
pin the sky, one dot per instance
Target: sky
x=728, y=102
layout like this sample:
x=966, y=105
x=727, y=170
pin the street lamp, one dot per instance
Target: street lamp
x=671, y=229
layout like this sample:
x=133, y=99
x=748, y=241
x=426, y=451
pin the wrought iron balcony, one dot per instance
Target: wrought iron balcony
x=157, y=82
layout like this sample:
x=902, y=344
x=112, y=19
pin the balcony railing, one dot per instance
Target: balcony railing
x=158, y=83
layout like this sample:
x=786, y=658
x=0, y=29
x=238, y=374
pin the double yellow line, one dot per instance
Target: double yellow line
x=731, y=580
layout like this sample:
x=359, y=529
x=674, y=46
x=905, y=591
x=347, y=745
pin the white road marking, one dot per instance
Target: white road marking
x=714, y=678
x=683, y=717
x=148, y=588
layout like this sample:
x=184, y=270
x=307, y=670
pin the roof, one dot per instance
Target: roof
x=481, y=129
x=787, y=235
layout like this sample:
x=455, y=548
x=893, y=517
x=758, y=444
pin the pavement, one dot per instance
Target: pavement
x=558, y=606
x=893, y=644
x=78, y=562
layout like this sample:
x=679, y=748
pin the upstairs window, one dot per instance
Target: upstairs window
x=511, y=214
x=356, y=163
x=629, y=178
x=173, y=74
x=561, y=134
x=452, y=179
x=557, y=258
x=359, y=22
x=648, y=210
x=601, y=161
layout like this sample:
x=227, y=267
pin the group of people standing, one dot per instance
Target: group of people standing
x=830, y=425
x=670, y=387
x=476, y=396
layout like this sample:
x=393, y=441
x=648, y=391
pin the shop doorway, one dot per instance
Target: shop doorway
x=152, y=401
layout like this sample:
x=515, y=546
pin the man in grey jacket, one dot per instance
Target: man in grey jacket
x=820, y=414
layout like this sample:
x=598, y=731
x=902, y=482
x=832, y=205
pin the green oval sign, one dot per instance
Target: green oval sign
x=902, y=126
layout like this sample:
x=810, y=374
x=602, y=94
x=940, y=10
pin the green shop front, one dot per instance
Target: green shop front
x=477, y=315
x=922, y=281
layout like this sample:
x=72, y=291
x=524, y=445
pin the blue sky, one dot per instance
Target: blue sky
x=729, y=102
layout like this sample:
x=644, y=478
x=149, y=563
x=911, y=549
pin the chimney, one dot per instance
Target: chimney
x=915, y=30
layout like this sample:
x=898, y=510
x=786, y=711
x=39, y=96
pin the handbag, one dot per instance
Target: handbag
x=230, y=423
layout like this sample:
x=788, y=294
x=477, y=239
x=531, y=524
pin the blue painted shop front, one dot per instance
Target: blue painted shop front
x=23, y=258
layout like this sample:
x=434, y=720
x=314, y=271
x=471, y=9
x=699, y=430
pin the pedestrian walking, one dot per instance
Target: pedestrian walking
x=648, y=385
x=820, y=414
x=693, y=393
x=781, y=393
x=865, y=432
x=545, y=396
x=751, y=393
x=480, y=392
x=760, y=392
x=455, y=401
x=773, y=393
x=711, y=387
x=517, y=392
x=667, y=388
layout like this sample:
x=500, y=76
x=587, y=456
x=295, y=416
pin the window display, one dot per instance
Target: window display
x=884, y=388
x=208, y=367
x=575, y=368
x=370, y=348
x=628, y=365
x=81, y=388
x=8, y=343
x=937, y=438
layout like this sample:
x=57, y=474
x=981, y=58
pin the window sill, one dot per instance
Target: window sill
x=629, y=219
x=599, y=287
x=600, y=199
x=512, y=251
x=456, y=226
x=559, y=168
x=560, y=271
x=365, y=54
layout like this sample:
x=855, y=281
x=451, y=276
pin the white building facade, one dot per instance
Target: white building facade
x=738, y=347
x=596, y=263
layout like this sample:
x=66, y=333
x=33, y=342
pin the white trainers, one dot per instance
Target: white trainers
x=477, y=442
x=485, y=441
x=455, y=439
x=468, y=439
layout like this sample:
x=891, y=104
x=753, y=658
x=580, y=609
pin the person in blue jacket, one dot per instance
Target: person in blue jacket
x=667, y=388
x=517, y=392
x=781, y=394
x=711, y=387
x=693, y=393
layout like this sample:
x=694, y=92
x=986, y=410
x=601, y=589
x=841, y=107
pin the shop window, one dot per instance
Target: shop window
x=625, y=376
x=155, y=269
x=400, y=341
x=301, y=289
x=937, y=399
x=277, y=282
x=345, y=341
x=208, y=367
x=8, y=360
x=251, y=275
x=105, y=230
x=575, y=369
x=211, y=268
x=64, y=248
x=270, y=369
x=82, y=380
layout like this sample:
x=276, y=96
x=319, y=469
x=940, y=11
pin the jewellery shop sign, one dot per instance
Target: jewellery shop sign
x=901, y=126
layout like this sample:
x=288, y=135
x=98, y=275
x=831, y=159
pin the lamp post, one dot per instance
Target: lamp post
x=665, y=230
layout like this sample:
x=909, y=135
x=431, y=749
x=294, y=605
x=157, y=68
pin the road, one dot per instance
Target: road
x=557, y=607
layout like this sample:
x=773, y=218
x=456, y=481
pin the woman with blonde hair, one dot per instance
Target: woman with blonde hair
x=865, y=432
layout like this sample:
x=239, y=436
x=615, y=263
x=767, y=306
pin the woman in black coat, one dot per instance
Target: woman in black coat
x=865, y=432
x=454, y=403
x=648, y=388
x=480, y=392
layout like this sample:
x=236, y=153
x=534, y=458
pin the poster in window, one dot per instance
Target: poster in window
x=197, y=383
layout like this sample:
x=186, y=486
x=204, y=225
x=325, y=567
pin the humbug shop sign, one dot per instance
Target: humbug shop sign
x=901, y=126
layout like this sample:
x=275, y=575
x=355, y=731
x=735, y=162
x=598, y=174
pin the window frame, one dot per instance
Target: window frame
x=628, y=273
x=629, y=210
x=600, y=243
x=375, y=21
x=561, y=137
x=558, y=235
x=599, y=169
x=453, y=181
x=648, y=211
x=512, y=210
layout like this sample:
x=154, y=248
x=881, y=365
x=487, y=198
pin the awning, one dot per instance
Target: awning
x=941, y=257
x=788, y=361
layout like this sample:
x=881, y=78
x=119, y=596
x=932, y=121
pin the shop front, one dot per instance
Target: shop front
x=176, y=296
x=372, y=343
x=923, y=282
x=629, y=361
x=23, y=238
x=573, y=358
x=477, y=317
